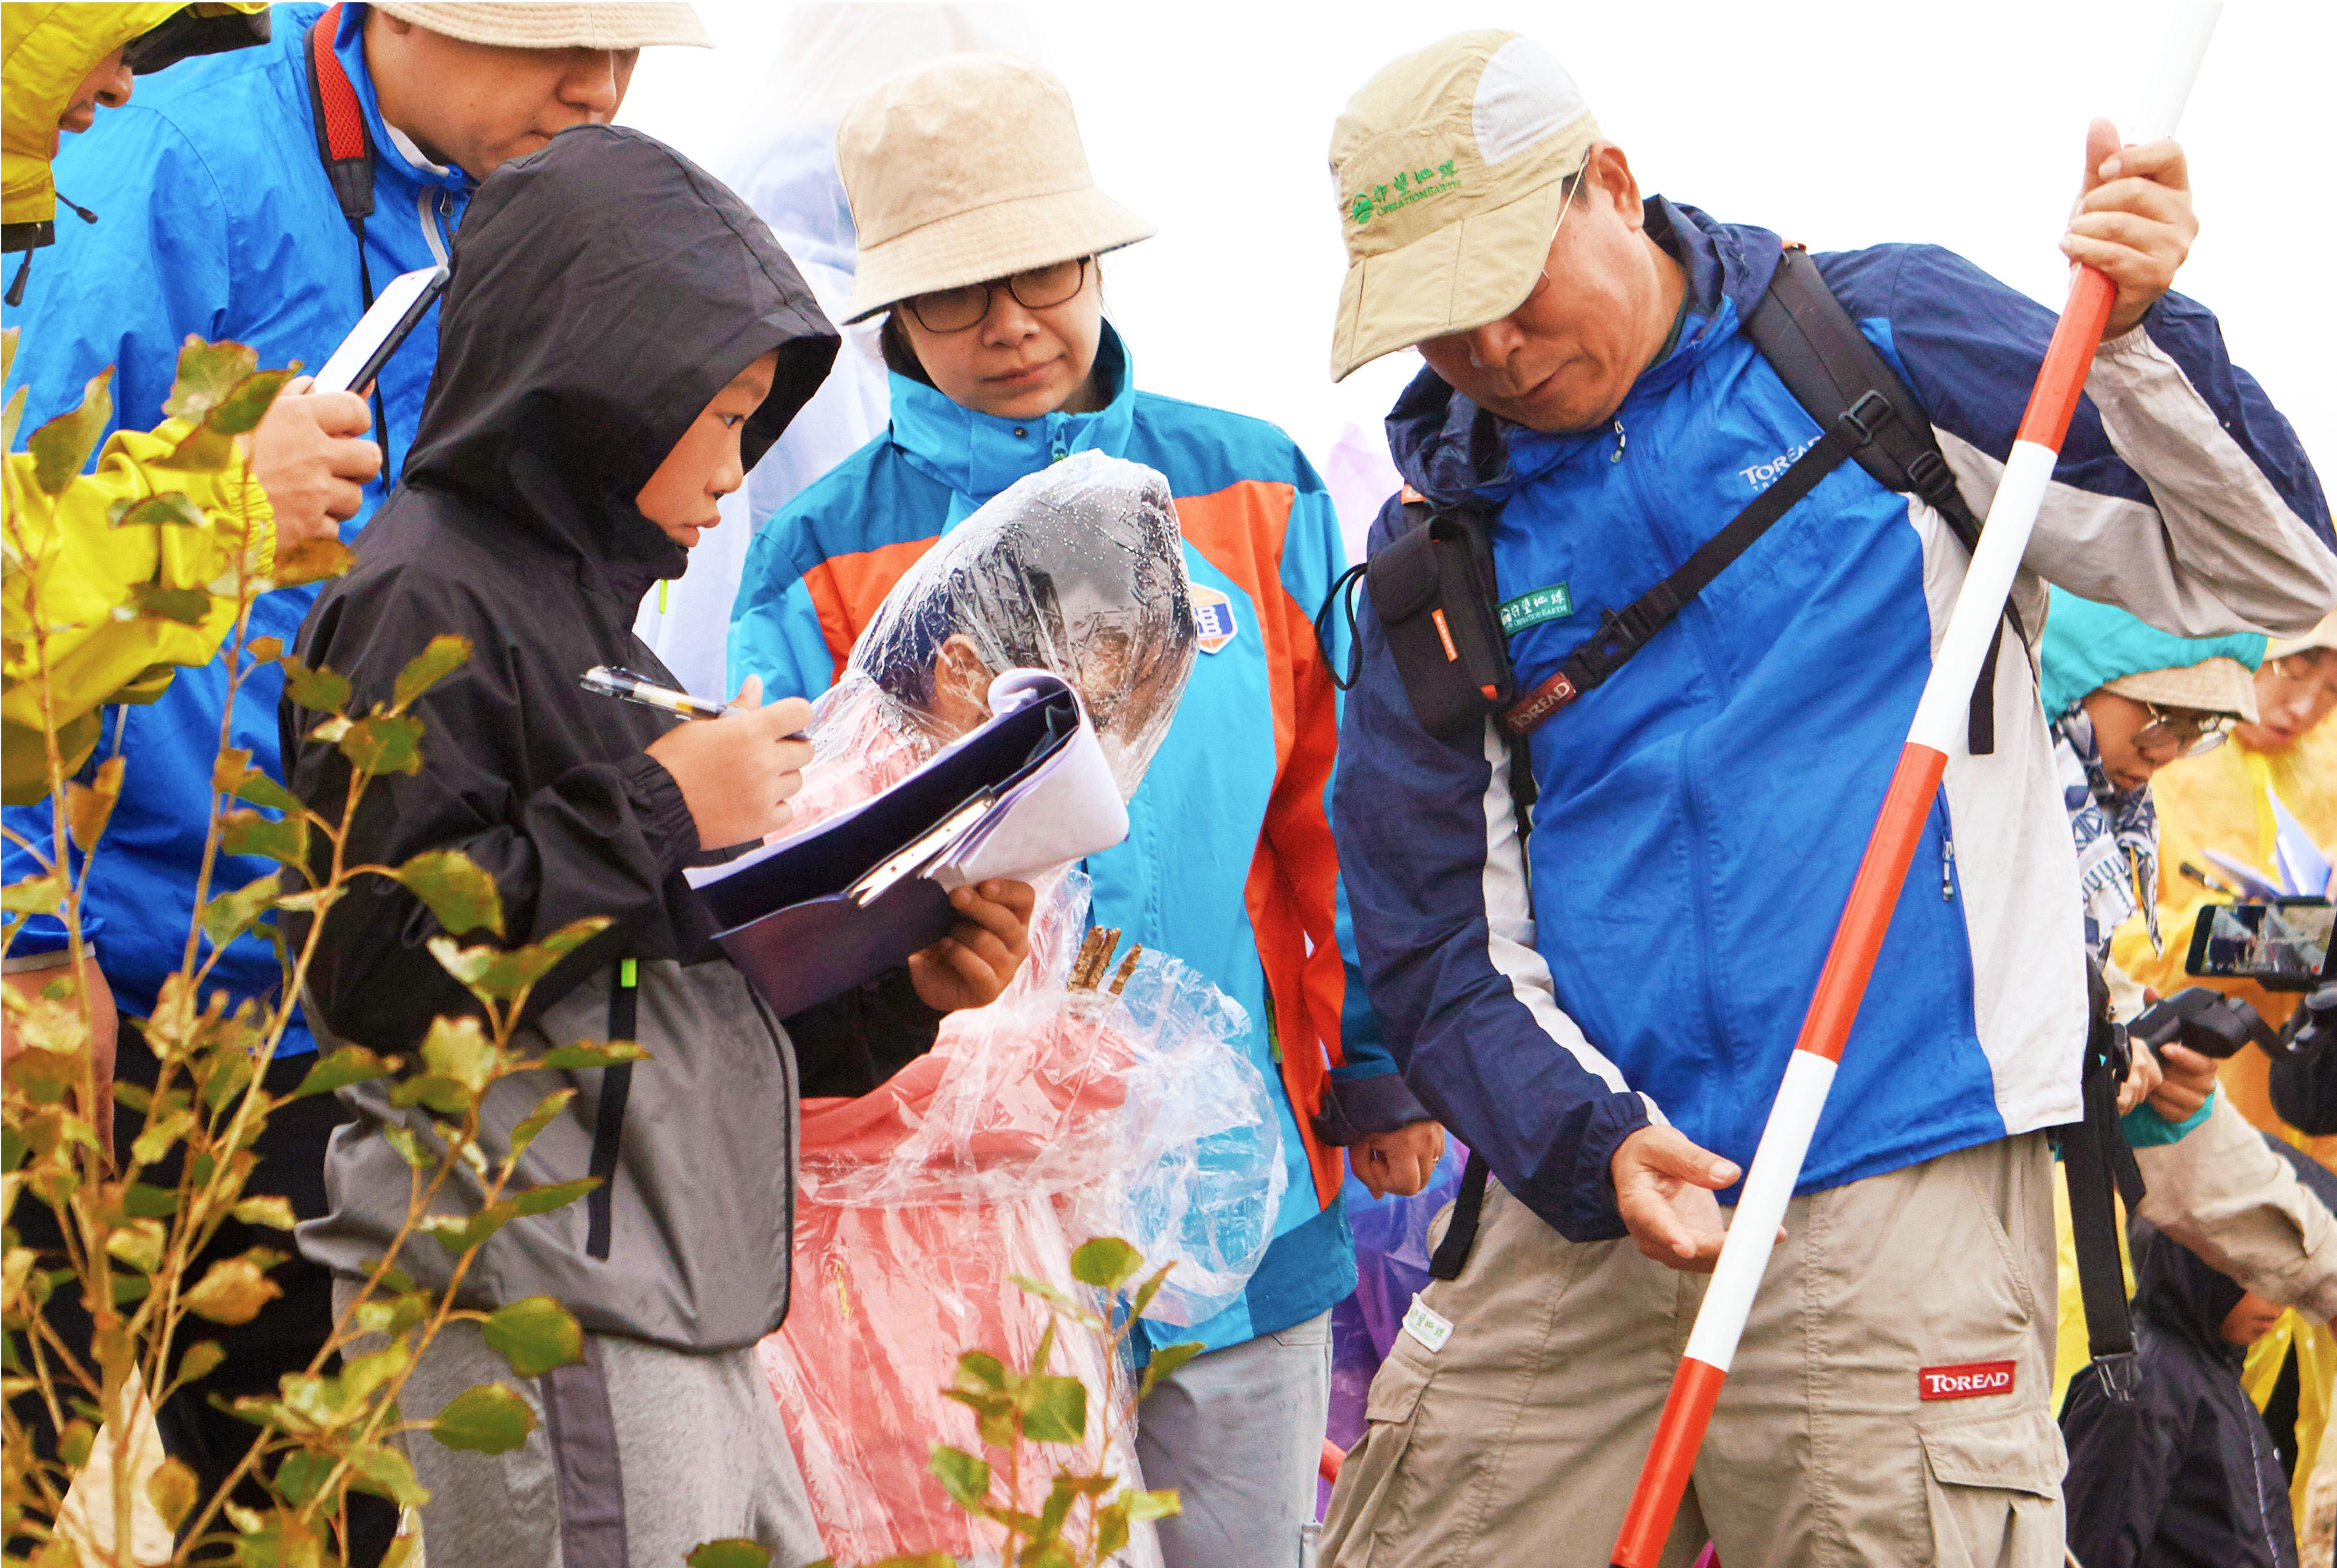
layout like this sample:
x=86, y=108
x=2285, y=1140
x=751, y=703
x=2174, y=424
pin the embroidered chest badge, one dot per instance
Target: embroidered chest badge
x=1555, y=602
x=1213, y=618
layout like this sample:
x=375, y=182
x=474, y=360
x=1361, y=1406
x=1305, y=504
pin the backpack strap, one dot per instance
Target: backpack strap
x=344, y=142
x=345, y=147
x=1828, y=363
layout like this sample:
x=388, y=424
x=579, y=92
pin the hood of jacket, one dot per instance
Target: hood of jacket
x=979, y=455
x=1445, y=446
x=45, y=51
x=575, y=346
x=2178, y=1293
x=2085, y=646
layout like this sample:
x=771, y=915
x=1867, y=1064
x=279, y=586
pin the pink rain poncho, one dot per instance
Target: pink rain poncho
x=1051, y=1115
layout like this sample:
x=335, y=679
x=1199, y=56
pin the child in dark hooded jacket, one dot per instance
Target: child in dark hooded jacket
x=621, y=339
x=2184, y=1474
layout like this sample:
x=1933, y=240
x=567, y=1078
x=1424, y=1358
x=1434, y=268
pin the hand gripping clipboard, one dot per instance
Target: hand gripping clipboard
x=815, y=915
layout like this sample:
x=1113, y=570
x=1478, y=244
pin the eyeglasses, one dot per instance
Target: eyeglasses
x=1034, y=288
x=2300, y=669
x=2185, y=732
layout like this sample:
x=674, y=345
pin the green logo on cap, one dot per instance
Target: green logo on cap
x=1410, y=185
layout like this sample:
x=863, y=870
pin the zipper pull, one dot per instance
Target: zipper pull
x=1946, y=869
x=1616, y=456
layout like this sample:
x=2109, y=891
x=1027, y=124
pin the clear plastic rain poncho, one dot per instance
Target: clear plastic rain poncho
x=1057, y=1113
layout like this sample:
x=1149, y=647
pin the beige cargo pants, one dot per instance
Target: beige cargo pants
x=1888, y=1405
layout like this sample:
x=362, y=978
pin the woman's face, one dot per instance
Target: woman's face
x=1018, y=361
x=2293, y=695
x=2118, y=725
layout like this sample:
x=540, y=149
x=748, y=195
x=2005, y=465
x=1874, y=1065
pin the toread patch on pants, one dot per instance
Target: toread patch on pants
x=1519, y=1436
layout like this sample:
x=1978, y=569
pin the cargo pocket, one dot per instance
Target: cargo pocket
x=1365, y=1505
x=1993, y=1490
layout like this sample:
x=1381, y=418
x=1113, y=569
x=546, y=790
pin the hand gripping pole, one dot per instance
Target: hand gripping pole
x=1936, y=734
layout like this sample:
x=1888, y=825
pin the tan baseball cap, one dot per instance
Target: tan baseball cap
x=625, y=24
x=2217, y=685
x=2322, y=636
x=1448, y=165
x=969, y=168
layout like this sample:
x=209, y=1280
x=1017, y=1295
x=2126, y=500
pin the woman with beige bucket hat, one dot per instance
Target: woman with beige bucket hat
x=979, y=229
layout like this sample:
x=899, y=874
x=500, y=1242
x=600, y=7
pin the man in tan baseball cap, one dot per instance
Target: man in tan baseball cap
x=1705, y=744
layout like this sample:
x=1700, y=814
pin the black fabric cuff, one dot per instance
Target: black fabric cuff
x=666, y=823
x=1574, y=1189
x=1355, y=1108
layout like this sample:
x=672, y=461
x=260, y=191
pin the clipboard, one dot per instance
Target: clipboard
x=814, y=915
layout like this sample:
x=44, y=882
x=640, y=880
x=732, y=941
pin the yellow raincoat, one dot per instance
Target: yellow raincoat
x=68, y=567
x=2217, y=800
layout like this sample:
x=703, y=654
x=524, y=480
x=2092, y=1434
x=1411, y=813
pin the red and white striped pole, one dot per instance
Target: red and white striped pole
x=1936, y=733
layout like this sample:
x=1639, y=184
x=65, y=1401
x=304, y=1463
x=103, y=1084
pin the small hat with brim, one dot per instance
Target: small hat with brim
x=622, y=24
x=2322, y=636
x=2216, y=685
x=965, y=169
x=1449, y=166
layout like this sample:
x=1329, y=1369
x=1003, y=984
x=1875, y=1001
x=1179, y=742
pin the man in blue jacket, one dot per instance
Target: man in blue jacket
x=1610, y=1035
x=216, y=215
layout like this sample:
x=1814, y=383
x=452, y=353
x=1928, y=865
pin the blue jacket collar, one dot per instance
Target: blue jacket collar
x=979, y=455
x=348, y=43
x=1433, y=431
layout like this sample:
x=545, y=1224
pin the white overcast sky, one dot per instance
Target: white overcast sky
x=1836, y=125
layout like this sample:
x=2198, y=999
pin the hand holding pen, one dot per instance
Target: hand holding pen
x=736, y=768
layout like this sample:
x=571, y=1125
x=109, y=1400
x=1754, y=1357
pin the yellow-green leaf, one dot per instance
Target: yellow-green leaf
x=454, y=888
x=273, y=1212
x=12, y=418
x=733, y=1552
x=1160, y=1504
x=536, y=1120
x=386, y=743
x=444, y=656
x=964, y=1476
x=281, y=839
x=1106, y=1262
x=62, y=445
x=242, y=408
x=172, y=1489
x=534, y=1334
x=318, y=690
x=207, y=372
x=311, y=561
x=229, y=915
x=458, y=1048
x=552, y=1195
x=170, y=509
x=139, y=1243
x=38, y=895
x=88, y=806
x=1165, y=1360
x=234, y=1290
x=591, y=1054
x=487, y=1419
x=1054, y=1409
x=348, y=1065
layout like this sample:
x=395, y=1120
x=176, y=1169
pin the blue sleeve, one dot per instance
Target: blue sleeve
x=128, y=289
x=775, y=630
x=1430, y=847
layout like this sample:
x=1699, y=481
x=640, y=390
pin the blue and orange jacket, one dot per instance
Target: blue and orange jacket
x=1229, y=863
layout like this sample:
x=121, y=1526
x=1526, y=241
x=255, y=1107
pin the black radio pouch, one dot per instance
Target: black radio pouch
x=1432, y=591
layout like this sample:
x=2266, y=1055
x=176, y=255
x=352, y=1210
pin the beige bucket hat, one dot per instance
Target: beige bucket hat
x=621, y=24
x=2217, y=685
x=965, y=169
x=1448, y=166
